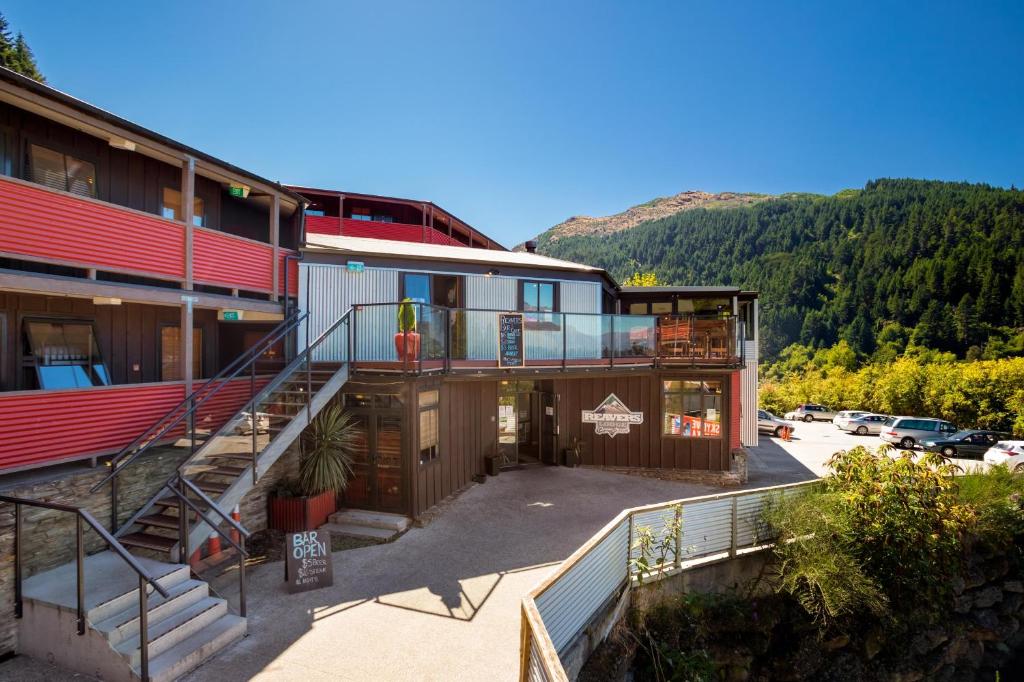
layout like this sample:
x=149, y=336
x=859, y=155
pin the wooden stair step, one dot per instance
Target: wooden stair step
x=158, y=543
x=225, y=470
x=159, y=520
x=229, y=455
x=210, y=486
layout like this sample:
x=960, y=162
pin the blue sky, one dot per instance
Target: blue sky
x=517, y=115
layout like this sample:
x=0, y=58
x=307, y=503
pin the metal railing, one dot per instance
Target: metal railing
x=453, y=339
x=83, y=516
x=183, y=414
x=564, y=604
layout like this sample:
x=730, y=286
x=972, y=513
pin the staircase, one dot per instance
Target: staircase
x=184, y=628
x=137, y=611
x=367, y=525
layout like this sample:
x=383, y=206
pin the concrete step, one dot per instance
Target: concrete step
x=126, y=624
x=361, y=532
x=111, y=586
x=396, y=523
x=175, y=628
x=188, y=654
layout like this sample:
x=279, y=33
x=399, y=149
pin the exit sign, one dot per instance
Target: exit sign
x=356, y=266
x=240, y=191
x=232, y=315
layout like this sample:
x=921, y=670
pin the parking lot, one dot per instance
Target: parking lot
x=805, y=455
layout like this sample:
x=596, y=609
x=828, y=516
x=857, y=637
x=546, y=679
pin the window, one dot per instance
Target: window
x=661, y=308
x=539, y=298
x=6, y=153
x=61, y=171
x=692, y=409
x=171, y=208
x=429, y=431
x=65, y=354
x=416, y=287
x=637, y=308
x=170, y=353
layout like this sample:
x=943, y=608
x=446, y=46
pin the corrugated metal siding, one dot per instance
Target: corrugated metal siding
x=748, y=393
x=292, y=285
x=41, y=223
x=569, y=603
x=487, y=293
x=39, y=427
x=318, y=224
x=580, y=297
x=328, y=291
x=225, y=260
x=536, y=672
x=396, y=232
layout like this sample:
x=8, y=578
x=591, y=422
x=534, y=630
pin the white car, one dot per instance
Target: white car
x=843, y=419
x=769, y=423
x=1008, y=452
x=865, y=424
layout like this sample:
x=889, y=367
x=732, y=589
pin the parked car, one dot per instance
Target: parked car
x=907, y=432
x=769, y=423
x=1008, y=452
x=865, y=424
x=808, y=412
x=843, y=418
x=969, y=443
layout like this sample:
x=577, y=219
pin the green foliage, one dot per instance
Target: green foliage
x=16, y=54
x=972, y=394
x=880, y=533
x=898, y=252
x=995, y=494
x=328, y=444
x=407, y=315
x=650, y=552
x=642, y=279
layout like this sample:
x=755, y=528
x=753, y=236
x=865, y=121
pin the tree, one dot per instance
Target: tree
x=16, y=55
x=642, y=279
x=6, y=46
x=965, y=320
x=934, y=329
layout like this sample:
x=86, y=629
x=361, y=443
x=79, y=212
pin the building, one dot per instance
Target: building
x=126, y=445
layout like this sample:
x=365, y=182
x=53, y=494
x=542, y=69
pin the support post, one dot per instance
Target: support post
x=679, y=536
x=80, y=572
x=629, y=550
x=241, y=575
x=188, y=207
x=113, y=502
x=182, y=525
x=143, y=631
x=185, y=332
x=18, y=604
x=734, y=538
x=275, y=243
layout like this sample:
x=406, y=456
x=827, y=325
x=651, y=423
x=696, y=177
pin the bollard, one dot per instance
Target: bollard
x=236, y=516
x=213, y=544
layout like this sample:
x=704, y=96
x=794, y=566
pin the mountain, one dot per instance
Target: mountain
x=654, y=209
x=934, y=264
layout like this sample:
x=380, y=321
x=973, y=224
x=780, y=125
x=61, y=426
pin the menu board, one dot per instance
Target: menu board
x=307, y=564
x=510, y=340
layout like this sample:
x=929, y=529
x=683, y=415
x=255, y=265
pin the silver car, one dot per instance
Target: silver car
x=908, y=431
x=769, y=423
x=808, y=412
x=865, y=424
x=843, y=418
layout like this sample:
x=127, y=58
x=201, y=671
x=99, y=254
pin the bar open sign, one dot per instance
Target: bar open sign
x=307, y=563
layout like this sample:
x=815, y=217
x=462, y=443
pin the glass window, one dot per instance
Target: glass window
x=170, y=353
x=361, y=214
x=417, y=287
x=6, y=154
x=637, y=308
x=61, y=171
x=692, y=409
x=65, y=354
x=171, y=208
x=538, y=297
x=429, y=431
x=661, y=308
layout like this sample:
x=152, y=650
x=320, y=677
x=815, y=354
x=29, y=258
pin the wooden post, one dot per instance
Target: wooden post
x=341, y=214
x=423, y=214
x=188, y=201
x=186, y=341
x=431, y=224
x=275, y=242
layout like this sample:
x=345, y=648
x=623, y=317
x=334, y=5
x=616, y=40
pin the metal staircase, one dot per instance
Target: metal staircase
x=98, y=614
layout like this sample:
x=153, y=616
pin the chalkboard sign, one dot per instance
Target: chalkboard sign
x=510, y=340
x=307, y=564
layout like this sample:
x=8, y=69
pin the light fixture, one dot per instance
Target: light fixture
x=239, y=190
x=492, y=272
x=121, y=143
x=105, y=300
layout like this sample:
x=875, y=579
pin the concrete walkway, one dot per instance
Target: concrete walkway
x=441, y=602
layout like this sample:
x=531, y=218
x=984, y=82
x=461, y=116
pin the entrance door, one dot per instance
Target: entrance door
x=508, y=429
x=548, y=427
x=377, y=464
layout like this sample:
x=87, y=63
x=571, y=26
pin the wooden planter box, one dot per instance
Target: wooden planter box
x=296, y=514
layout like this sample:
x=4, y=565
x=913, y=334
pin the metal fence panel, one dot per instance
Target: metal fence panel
x=707, y=528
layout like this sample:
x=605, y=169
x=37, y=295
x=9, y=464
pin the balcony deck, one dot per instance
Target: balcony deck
x=48, y=226
x=462, y=341
x=348, y=227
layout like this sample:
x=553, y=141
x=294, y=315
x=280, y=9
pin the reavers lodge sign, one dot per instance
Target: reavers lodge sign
x=612, y=417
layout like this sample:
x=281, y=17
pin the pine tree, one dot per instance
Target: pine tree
x=6, y=46
x=25, y=61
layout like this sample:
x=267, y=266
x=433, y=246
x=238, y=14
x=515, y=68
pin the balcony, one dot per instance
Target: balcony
x=53, y=227
x=398, y=232
x=467, y=341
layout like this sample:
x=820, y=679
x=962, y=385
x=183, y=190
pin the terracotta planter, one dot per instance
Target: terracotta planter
x=296, y=514
x=407, y=345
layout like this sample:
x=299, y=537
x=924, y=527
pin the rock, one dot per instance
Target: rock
x=987, y=597
x=873, y=643
x=962, y=603
x=974, y=578
x=956, y=648
x=1008, y=626
x=837, y=642
x=975, y=655
x=1012, y=602
x=929, y=640
x=907, y=676
x=958, y=585
x=996, y=568
x=1013, y=586
x=737, y=674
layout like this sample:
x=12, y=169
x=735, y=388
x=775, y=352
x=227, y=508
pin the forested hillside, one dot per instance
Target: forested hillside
x=937, y=265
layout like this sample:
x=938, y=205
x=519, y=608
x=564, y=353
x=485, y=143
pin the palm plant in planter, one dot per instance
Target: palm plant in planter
x=325, y=468
x=407, y=340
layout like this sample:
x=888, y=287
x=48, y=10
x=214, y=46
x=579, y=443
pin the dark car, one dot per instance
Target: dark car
x=969, y=443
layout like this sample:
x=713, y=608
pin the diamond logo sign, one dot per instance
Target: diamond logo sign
x=612, y=417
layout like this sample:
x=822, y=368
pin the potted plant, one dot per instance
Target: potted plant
x=407, y=340
x=327, y=446
x=573, y=454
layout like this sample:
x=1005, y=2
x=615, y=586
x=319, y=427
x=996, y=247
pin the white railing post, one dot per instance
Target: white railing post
x=679, y=537
x=735, y=535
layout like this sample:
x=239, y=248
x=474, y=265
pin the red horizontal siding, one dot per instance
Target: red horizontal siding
x=735, y=410
x=41, y=427
x=318, y=224
x=293, y=273
x=221, y=259
x=396, y=232
x=41, y=223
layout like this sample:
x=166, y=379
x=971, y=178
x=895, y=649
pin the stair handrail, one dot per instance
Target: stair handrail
x=300, y=359
x=224, y=376
x=81, y=514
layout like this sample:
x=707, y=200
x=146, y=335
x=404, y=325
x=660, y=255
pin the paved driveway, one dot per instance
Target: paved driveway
x=442, y=602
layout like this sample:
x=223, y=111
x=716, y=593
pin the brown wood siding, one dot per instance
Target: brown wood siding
x=468, y=433
x=644, y=446
x=137, y=181
x=127, y=335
